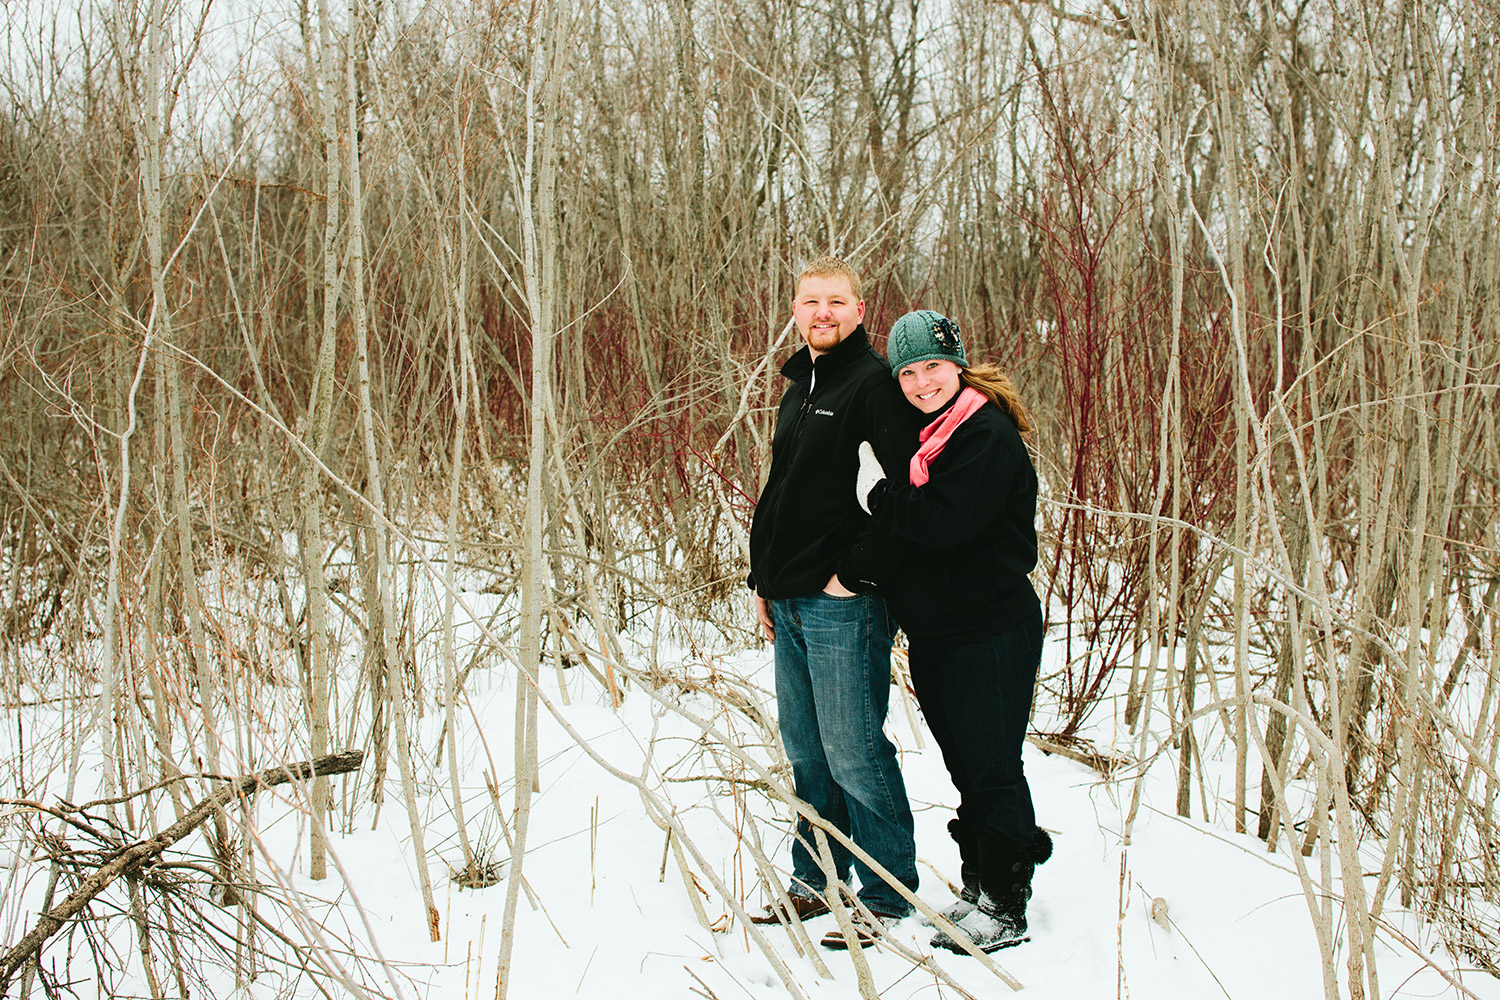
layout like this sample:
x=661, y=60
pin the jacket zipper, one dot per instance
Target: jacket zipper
x=791, y=445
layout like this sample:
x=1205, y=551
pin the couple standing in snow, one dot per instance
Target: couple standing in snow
x=900, y=483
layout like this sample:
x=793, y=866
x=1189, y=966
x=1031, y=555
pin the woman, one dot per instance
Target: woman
x=966, y=528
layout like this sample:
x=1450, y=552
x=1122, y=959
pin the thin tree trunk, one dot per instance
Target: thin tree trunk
x=319, y=426
x=384, y=581
x=537, y=185
x=458, y=324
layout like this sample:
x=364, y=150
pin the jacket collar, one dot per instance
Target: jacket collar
x=799, y=367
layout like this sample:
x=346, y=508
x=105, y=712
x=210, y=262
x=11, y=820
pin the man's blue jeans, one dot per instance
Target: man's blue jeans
x=833, y=672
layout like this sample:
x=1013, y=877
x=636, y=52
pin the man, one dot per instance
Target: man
x=813, y=571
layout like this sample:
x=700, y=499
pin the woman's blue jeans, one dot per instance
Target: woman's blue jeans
x=833, y=673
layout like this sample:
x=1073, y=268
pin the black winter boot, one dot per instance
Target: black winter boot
x=968, y=856
x=998, y=919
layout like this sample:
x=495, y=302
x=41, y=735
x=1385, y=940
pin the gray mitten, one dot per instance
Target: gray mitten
x=869, y=476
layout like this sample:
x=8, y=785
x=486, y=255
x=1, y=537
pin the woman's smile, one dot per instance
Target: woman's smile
x=929, y=385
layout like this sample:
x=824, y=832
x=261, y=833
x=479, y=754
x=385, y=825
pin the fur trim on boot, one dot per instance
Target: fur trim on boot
x=1041, y=846
x=968, y=854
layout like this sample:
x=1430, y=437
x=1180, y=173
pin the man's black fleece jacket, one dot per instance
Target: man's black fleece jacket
x=807, y=524
x=967, y=536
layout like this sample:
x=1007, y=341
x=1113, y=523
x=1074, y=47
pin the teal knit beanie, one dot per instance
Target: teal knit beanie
x=924, y=336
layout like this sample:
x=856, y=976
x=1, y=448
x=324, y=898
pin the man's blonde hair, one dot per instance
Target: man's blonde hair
x=830, y=267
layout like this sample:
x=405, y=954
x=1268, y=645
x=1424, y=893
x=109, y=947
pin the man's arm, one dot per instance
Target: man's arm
x=890, y=423
x=892, y=426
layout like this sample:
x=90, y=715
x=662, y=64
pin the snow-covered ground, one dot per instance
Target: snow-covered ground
x=1186, y=910
x=613, y=919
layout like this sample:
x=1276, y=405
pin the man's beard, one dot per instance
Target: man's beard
x=824, y=340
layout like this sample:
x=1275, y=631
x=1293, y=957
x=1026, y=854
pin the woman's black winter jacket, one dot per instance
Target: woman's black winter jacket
x=966, y=538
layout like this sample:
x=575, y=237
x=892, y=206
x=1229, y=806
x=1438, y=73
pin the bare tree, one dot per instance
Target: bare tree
x=1239, y=258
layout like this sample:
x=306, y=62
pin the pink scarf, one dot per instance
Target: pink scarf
x=934, y=436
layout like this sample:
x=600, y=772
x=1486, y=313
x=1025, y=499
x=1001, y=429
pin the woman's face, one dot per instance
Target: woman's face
x=929, y=385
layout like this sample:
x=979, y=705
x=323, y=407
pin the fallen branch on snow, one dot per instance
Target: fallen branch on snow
x=142, y=851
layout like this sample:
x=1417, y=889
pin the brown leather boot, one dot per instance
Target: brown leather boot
x=806, y=907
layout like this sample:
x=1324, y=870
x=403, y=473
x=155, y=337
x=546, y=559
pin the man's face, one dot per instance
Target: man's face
x=826, y=311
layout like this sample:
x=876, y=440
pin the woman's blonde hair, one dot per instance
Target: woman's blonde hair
x=996, y=386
